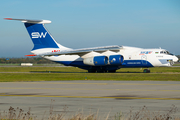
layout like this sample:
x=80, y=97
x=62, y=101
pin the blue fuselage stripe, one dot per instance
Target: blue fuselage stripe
x=126, y=64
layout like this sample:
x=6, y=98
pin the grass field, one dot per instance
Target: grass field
x=142, y=114
x=13, y=74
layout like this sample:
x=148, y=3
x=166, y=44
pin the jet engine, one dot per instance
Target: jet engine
x=96, y=61
x=116, y=59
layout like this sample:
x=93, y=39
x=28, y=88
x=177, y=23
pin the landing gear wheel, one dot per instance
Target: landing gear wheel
x=101, y=71
x=91, y=71
x=146, y=71
x=112, y=71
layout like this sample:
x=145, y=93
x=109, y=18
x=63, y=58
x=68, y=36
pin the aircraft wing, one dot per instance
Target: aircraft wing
x=83, y=51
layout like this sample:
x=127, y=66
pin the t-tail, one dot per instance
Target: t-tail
x=41, y=38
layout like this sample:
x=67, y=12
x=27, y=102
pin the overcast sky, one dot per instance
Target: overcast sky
x=93, y=23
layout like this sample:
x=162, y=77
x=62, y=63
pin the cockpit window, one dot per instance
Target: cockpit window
x=166, y=52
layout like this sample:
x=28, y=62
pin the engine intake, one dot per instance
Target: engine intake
x=116, y=59
x=96, y=61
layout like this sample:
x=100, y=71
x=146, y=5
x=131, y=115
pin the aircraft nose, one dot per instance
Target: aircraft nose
x=175, y=59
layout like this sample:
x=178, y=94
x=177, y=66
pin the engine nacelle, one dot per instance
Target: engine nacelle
x=116, y=59
x=96, y=61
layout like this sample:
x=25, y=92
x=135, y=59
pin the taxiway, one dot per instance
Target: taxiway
x=90, y=96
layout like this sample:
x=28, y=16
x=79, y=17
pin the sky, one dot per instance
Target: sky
x=92, y=23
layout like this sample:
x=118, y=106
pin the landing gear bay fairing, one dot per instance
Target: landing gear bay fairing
x=97, y=59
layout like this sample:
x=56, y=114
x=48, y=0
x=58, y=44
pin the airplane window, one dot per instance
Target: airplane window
x=169, y=53
x=166, y=52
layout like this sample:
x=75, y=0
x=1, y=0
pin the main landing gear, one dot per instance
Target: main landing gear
x=146, y=71
x=91, y=71
x=101, y=71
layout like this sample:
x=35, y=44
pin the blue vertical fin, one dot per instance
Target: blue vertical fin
x=40, y=36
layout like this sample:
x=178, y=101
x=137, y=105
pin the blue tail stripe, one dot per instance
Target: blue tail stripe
x=40, y=36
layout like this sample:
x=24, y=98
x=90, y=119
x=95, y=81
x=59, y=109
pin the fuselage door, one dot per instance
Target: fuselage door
x=144, y=59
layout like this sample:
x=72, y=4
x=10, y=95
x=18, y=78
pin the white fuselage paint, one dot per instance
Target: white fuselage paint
x=152, y=56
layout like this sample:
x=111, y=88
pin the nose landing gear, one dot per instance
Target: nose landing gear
x=171, y=63
x=146, y=71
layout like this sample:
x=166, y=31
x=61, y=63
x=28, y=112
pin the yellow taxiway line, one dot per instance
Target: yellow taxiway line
x=89, y=97
x=87, y=89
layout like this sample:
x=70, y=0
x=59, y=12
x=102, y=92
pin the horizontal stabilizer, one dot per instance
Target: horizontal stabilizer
x=30, y=21
x=30, y=55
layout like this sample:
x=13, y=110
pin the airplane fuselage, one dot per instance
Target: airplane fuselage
x=133, y=58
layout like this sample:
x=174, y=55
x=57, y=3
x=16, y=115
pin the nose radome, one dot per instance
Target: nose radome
x=175, y=59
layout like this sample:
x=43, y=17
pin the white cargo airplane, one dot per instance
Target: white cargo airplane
x=97, y=59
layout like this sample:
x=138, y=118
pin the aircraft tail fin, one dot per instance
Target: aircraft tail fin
x=42, y=39
x=40, y=36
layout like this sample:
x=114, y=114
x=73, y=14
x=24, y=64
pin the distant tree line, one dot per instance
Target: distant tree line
x=34, y=60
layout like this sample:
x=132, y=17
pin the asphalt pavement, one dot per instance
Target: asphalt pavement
x=102, y=97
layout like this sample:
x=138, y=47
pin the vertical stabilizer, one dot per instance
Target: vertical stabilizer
x=41, y=38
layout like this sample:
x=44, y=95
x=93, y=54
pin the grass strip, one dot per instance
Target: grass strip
x=15, y=77
x=76, y=70
x=73, y=73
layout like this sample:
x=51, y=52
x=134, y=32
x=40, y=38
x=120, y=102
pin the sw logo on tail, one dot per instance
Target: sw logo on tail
x=37, y=35
x=97, y=59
